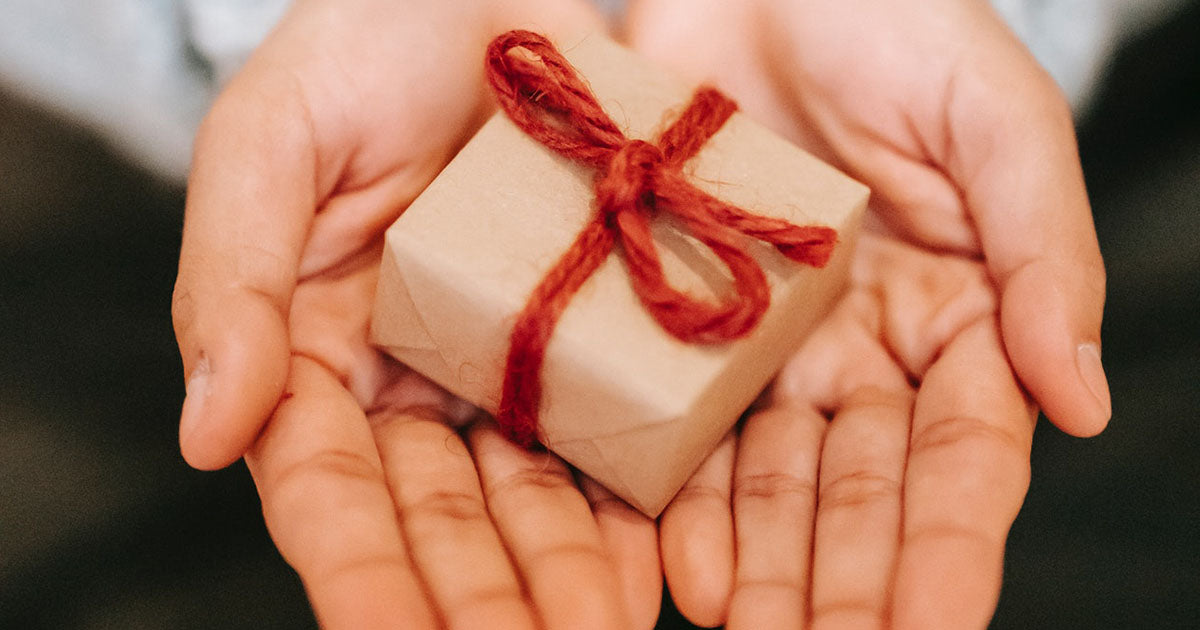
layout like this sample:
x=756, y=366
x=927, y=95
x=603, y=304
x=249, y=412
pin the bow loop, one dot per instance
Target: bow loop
x=541, y=92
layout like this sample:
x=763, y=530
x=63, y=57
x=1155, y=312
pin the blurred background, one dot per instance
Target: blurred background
x=102, y=525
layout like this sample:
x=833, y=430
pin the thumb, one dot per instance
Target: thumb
x=1018, y=165
x=250, y=203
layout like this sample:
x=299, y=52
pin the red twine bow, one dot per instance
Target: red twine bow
x=545, y=97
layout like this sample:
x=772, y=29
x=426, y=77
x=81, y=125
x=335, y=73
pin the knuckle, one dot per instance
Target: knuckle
x=986, y=460
x=568, y=553
x=973, y=437
x=231, y=109
x=350, y=568
x=447, y=506
x=768, y=585
x=277, y=109
x=699, y=493
x=1080, y=268
x=320, y=478
x=263, y=275
x=772, y=486
x=848, y=612
x=307, y=505
x=341, y=465
x=941, y=533
x=411, y=424
x=857, y=490
x=514, y=486
x=486, y=604
x=208, y=280
x=259, y=264
x=870, y=403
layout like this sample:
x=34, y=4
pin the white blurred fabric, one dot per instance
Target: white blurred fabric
x=142, y=72
x=1074, y=39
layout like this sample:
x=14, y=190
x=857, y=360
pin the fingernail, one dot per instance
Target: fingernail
x=1092, y=372
x=194, y=400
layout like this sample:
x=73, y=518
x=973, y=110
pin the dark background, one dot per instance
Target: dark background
x=102, y=525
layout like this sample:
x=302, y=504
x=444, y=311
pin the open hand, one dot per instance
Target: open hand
x=984, y=277
x=391, y=517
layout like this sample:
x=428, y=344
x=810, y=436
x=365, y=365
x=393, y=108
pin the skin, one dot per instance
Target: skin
x=386, y=512
x=876, y=484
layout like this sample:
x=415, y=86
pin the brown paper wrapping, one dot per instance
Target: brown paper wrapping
x=626, y=403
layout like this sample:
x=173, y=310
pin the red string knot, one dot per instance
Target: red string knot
x=629, y=181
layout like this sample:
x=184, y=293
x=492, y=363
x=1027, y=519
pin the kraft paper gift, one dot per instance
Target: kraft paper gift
x=624, y=402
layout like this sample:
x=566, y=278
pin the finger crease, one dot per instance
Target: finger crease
x=771, y=486
x=369, y=563
x=589, y=554
x=449, y=505
x=944, y=532
x=554, y=479
x=340, y=463
x=699, y=493
x=387, y=414
x=281, y=304
x=840, y=607
x=341, y=375
x=771, y=584
x=857, y=489
x=959, y=430
x=483, y=598
x=872, y=398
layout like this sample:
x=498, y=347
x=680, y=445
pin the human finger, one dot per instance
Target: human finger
x=774, y=504
x=967, y=474
x=264, y=160
x=631, y=539
x=696, y=538
x=858, y=509
x=327, y=507
x=550, y=533
x=1016, y=160
x=452, y=540
x=249, y=205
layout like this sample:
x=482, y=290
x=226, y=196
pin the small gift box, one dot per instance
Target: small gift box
x=628, y=403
